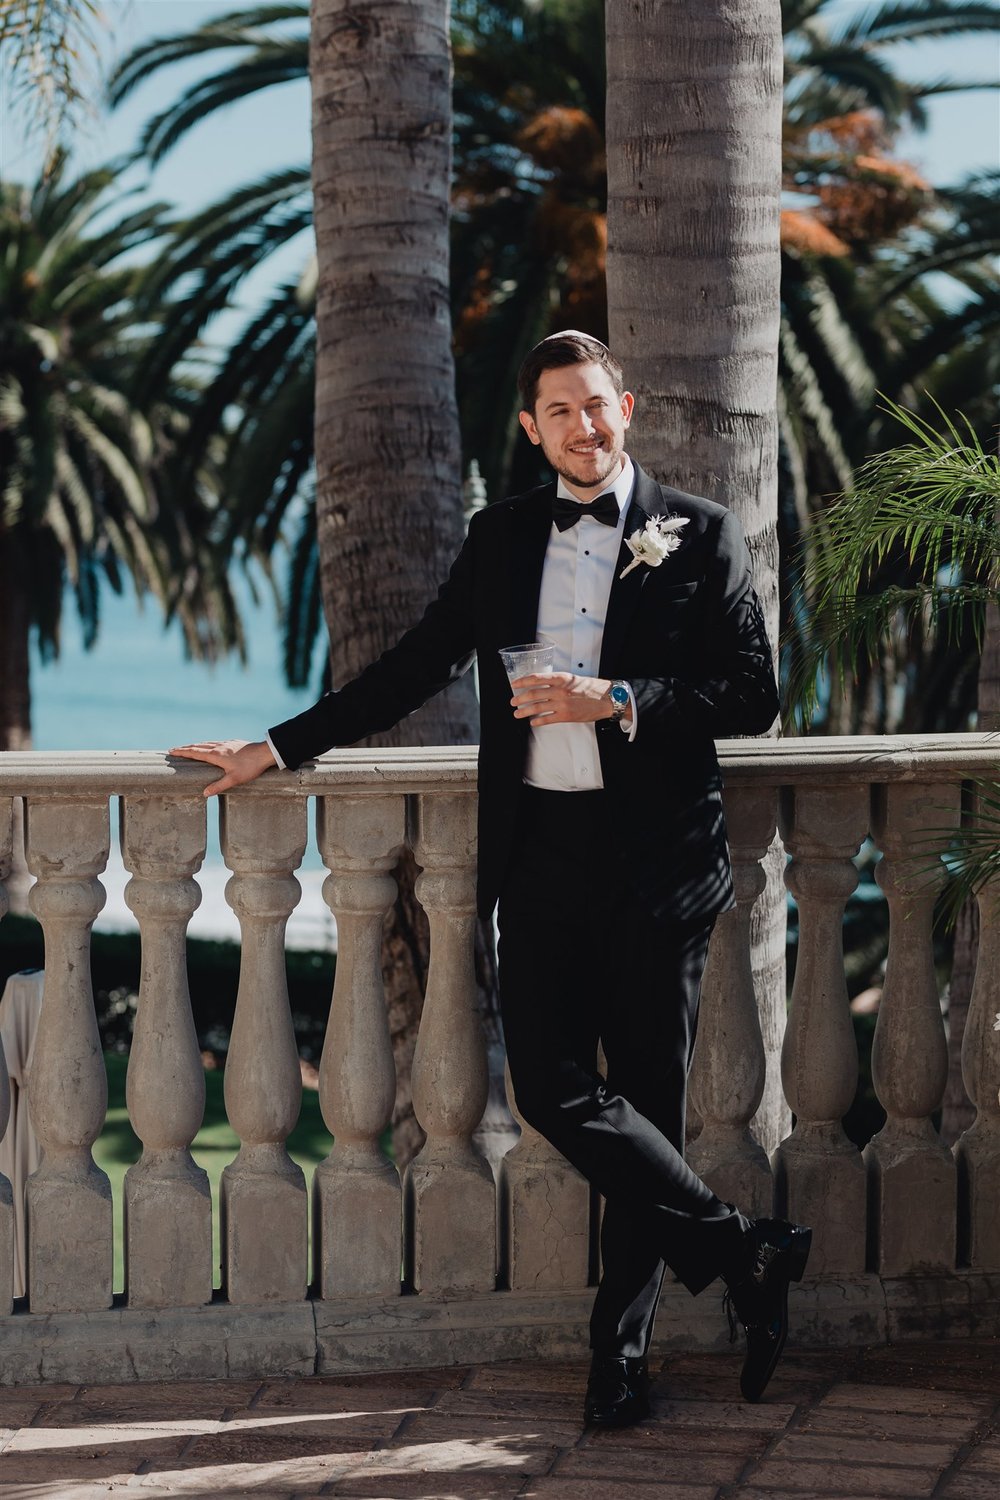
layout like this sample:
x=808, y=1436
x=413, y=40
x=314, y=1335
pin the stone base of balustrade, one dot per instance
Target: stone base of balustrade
x=339, y=1337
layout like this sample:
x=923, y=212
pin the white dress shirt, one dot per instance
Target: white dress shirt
x=577, y=576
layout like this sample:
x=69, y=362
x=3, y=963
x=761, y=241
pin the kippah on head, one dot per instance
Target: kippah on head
x=571, y=333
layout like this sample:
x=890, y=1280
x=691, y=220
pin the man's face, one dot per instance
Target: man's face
x=579, y=422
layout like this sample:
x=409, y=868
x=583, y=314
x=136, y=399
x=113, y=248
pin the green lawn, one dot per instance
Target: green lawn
x=214, y=1146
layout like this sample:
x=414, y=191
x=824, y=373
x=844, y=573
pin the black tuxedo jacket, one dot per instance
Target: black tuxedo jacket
x=688, y=635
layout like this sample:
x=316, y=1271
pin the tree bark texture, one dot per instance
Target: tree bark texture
x=694, y=182
x=388, y=451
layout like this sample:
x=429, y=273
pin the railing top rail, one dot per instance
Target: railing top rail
x=868, y=759
x=151, y=773
x=833, y=760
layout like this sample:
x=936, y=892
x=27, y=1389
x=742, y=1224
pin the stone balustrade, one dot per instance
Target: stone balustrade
x=443, y=1263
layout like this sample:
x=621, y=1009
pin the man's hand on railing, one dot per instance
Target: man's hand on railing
x=241, y=760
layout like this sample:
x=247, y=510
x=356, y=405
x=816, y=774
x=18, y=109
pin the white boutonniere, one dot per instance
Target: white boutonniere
x=658, y=538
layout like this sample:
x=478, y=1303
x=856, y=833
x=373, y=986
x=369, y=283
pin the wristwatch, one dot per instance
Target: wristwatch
x=620, y=699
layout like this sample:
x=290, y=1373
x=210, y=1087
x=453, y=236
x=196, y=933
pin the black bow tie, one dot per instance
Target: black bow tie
x=605, y=509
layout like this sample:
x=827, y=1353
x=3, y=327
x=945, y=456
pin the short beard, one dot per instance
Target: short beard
x=614, y=461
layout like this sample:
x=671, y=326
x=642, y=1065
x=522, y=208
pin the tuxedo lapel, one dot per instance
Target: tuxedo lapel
x=624, y=597
x=531, y=525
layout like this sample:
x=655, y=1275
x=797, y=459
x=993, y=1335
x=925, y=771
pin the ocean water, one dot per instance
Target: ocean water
x=136, y=691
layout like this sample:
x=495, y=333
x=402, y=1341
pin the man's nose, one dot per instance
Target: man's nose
x=585, y=424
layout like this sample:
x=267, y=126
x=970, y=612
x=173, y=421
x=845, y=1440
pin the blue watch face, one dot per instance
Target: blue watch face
x=619, y=695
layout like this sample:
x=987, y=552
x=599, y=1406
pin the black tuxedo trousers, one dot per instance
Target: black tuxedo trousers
x=583, y=960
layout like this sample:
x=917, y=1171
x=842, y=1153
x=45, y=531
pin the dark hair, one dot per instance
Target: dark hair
x=558, y=351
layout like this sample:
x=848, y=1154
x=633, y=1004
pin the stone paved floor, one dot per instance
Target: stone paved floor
x=920, y=1421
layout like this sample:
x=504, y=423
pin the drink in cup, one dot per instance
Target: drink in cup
x=533, y=658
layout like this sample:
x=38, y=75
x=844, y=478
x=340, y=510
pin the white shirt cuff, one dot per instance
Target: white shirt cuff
x=277, y=758
x=628, y=727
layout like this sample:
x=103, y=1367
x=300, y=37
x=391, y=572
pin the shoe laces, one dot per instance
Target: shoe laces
x=765, y=1255
x=729, y=1309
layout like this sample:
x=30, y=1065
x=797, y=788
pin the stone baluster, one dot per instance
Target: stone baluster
x=168, y=1203
x=69, y=1197
x=977, y=1152
x=728, y=1071
x=357, y=1218
x=544, y=1214
x=819, y=1174
x=912, y=1174
x=264, y=1207
x=450, y=1193
x=6, y=1191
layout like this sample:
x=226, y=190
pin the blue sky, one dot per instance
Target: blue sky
x=273, y=130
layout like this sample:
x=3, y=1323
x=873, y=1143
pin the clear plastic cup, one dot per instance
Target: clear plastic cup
x=533, y=658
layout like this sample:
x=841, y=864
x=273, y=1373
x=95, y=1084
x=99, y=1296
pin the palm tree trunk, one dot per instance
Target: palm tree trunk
x=388, y=454
x=694, y=181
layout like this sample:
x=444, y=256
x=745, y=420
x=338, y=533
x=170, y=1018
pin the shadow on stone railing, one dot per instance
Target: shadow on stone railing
x=413, y=1271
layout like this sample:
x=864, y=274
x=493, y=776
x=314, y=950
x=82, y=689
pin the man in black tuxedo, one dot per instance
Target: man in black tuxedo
x=601, y=831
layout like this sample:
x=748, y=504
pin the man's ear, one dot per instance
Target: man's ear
x=527, y=421
x=628, y=405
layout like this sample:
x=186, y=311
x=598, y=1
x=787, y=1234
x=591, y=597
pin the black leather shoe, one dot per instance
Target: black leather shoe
x=758, y=1296
x=617, y=1391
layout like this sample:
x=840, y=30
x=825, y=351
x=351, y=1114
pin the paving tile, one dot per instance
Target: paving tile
x=632, y=1463
x=566, y=1376
x=250, y=1440
x=539, y=1405
x=18, y=1413
x=824, y=1479
x=749, y=1492
x=892, y=1425
x=434, y=1379
x=331, y=1396
x=932, y=1404
x=692, y=1388
x=40, y=1393
x=176, y=1396
x=104, y=1437
x=524, y=1431
x=965, y=1486
x=517, y=1452
x=667, y=1439
x=71, y=1415
x=265, y=1481
x=484, y=1484
x=71, y=1489
x=715, y=1415
x=985, y=1457
x=93, y=1463
x=838, y=1448
x=553, y=1488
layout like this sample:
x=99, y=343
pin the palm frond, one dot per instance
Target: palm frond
x=933, y=500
